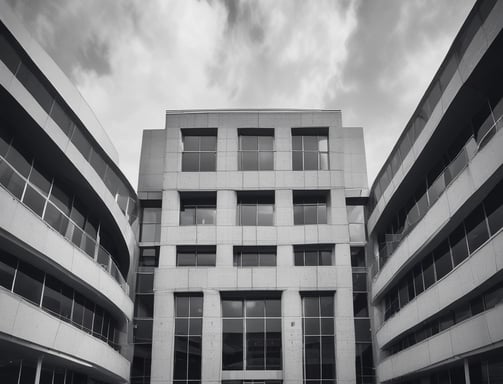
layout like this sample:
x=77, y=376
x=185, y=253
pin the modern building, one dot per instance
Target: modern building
x=67, y=218
x=250, y=220
x=434, y=221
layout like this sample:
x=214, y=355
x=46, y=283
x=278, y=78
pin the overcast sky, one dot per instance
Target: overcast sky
x=132, y=60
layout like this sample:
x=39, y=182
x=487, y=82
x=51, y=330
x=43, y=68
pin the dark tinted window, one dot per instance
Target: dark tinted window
x=476, y=229
x=8, y=266
x=29, y=283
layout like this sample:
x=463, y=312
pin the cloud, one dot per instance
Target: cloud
x=132, y=60
x=393, y=55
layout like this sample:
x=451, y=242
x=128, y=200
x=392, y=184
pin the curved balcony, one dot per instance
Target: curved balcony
x=21, y=189
x=461, y=340
x=440, y=185
x=21, y=225
x=484, y=164
x=483, y=264
x=30, y=324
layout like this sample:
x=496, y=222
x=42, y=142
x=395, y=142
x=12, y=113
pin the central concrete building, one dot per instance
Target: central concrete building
x=252, y=250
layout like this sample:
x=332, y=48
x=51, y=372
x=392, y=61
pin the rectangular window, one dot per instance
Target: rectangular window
x=149, y=257
x=358, y=257
x=309, y=149
x=58, y=298
x=458, y=244
x=313, y=255
x=150, y=230
x=188, y=338
x=476, y=229
x=310, y=207
x=199, y=150
x=256, y=149
x=8, y=265
x=250, y=256
x=255, y=208
x=443, y=262
x=494, y=208
x=29, y=281
x=198, y=208
x=196, y=256
x=251, y=334
x=318, y=338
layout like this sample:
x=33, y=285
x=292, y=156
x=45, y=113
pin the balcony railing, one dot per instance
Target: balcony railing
x=437, y=188
x=16, y=184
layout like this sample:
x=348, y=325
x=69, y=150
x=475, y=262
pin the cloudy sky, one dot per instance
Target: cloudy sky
x=132, y=60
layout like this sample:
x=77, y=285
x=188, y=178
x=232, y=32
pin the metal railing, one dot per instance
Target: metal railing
x=437, y=188
x=66, y=227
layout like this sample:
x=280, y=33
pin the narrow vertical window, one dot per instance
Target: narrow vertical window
x=188, y=339
x=150, y=230
x=318, y=338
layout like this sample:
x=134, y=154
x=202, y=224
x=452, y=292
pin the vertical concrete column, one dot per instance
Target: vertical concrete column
x=291, y=306
x=284, y=207
x=226, y=208
x=170, y=208
x=283, y=148
x=224, y=255
x=167, y=256
x=284, y=256
x=163, y=337
x=212, y=337
x=344, y=330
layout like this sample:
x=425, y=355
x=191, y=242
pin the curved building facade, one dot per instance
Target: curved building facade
x=435, y=219
x=67, y=238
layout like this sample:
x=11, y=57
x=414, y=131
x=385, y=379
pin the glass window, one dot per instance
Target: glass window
x=360, y=308
x=151, y=224
x=188, y=339
x=309, y=152
x=309, y=209
x=62, y=119
x=149, y=257
x=358, y=257
x=57, y=298
x=144, y=306
x=418, y=279
x=198, y=208
x=8, y=55
x=35, y=87
x=318, y=338
x=40, y=180
x=144, y=282
x=256, y=210
x=29, y=281
x=34, y=200
x=443, y=262
x=198, y=256
x=11, y=180
x=81, y=142
x=199, y=153
x=458, y=245
x=142, y=331
x=254, y=333
x=254, y=256
x=8, y=265
x=364, y=362
x=256, y=152
x=313, y=255
x=476, y=229
x=494, y=209
x=428, y=272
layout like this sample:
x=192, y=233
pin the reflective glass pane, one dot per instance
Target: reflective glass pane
x=443, y=262
x=327, y=306
x=8, y=55
x=297, y=157
x=310, y=160
x=428, y=272
x=196, y=306
x=41, y=181
x=494, y=209
x=61, y=118
x=311, y=307
x=265, y=214
x=205, y=259
x=144, y=306
x=232, y=344
x=323, y=143
x=266, y=162
x=310, y=214
x=232, y=308
x=360, y=307
x=55, y=218
x=255, y=344
x=205, y=216
x=299, y=258
x=191, y=143
x=180, y=361
x=248, y=142
x=186, y=259
x=297, y=143
x=60, y=199
x=255, y=308
x=247, y=214
x=208, y=161
x=267, y=259
x=194, y=358
x=29, y=283
x=311, y=326
x=249, y=161
x=208, y=143
x=8, y=265
x=310, y=143
x=20, y=161
x=476, y=229
x=34, y=200
x=458, y=245
x=311, y=258
x=34, y=86
x=312, y=367
x=11, y=180
x=322, y=214
x=324, y=161
x=81, y=142
x=190, y=162
x=249, y=259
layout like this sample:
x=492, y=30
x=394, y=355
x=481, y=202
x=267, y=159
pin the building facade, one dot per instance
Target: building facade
x=249, y=223
x=67, y=214
x=435, y=214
